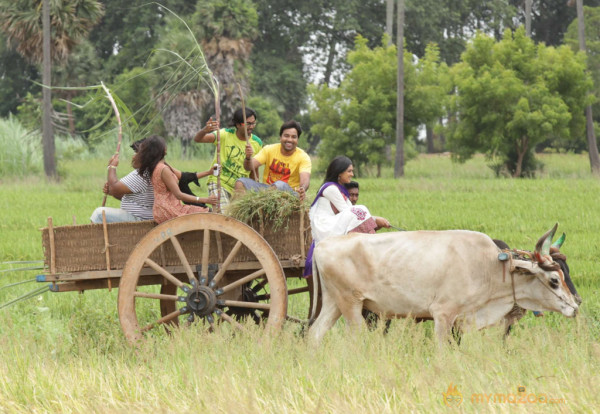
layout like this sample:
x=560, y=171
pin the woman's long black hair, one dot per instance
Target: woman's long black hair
x=337, y=166
x=149, y=154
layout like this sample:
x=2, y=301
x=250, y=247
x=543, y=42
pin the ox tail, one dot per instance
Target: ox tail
x=316, y=281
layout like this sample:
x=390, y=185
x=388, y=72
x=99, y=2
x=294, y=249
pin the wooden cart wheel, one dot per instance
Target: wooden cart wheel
x=193, y=293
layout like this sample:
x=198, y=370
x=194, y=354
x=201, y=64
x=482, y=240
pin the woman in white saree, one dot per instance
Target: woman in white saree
x=332, y=213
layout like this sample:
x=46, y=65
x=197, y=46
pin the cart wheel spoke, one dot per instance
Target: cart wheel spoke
x=164, y=272
x=242, y=281
x=259, y=286
x=298, y=290
x=205, y=256
x=242, y=304
x=159, y=296
x=229, y=319
x=184, y=261
x=164, y=319
x=226, y=263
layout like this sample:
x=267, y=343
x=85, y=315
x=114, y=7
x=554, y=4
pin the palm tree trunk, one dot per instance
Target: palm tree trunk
x=399, y=164
x=47, y=134
x=389, y=21
x=528, y=17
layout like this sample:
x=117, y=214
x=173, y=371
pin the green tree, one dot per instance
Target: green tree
x=550, y=19
x=450, y=23
x=333, y=26
x=300, y=41
x=129, y=30
x=269, y=120
x=15, y=79
x=81, y=68
x=71, y=22
x=46, y=32
x=592, y=42
x=433, y=91
x=358, y=118
x=513, y=94
x=225, y=30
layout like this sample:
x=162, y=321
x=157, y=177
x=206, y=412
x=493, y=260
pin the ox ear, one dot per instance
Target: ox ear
x=543, y=245
x=558, y=243
x=524, y=267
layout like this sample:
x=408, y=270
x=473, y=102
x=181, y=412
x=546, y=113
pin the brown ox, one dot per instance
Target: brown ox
x=454, y=277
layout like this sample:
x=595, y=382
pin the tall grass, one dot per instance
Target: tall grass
x=22, y=154
x=65, y=352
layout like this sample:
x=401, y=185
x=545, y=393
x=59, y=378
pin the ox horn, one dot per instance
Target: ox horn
x=558, y=243
x=543, y=245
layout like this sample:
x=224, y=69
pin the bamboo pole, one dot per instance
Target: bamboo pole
x=52, y=247
x=120, y=134
x=218, y=116
x=254, y=172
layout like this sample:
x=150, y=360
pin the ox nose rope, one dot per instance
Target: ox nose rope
x=397, y=228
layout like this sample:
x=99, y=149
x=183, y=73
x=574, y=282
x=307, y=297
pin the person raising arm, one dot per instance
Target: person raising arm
x=233, y=143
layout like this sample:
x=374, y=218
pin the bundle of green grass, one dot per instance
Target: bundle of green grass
x=270, y=206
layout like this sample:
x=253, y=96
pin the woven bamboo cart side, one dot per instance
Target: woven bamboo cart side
x=82, y=248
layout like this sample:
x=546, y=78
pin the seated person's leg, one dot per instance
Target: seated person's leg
x=283, y=186
x=113, y=215
x=243, y=184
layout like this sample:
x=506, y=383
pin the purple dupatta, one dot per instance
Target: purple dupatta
x=308, y=263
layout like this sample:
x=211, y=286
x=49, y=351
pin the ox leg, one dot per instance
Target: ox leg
x=354, y=316
x=328, y=316
x=443, y=325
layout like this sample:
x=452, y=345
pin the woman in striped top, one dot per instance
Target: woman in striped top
x=149, y=161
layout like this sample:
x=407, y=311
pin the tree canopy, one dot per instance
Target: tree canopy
x=358, y=117
x=323, y=62
x=513, y=94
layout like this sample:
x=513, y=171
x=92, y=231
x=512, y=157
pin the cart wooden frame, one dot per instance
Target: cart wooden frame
x=204, y=267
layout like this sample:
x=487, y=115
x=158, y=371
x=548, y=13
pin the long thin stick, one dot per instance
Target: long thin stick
x=120, y=135
x=255, y=173
x=218, y=116
x=27, y=295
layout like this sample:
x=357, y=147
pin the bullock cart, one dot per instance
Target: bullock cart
x=207, y=268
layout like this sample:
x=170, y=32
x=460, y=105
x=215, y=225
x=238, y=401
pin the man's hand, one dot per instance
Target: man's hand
x=301, y=193
x=204, y=135
x=249, y=151
x=213, y=199
x=105, y=188
x=211, y=126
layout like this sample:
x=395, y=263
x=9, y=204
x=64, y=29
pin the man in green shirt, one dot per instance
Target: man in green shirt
x=233, y=145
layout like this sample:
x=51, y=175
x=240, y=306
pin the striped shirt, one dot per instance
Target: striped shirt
x=140, y=201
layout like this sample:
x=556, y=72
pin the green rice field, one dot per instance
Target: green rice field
x=65, y=352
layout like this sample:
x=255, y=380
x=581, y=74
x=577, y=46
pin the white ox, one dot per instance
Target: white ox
x=454, y=277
